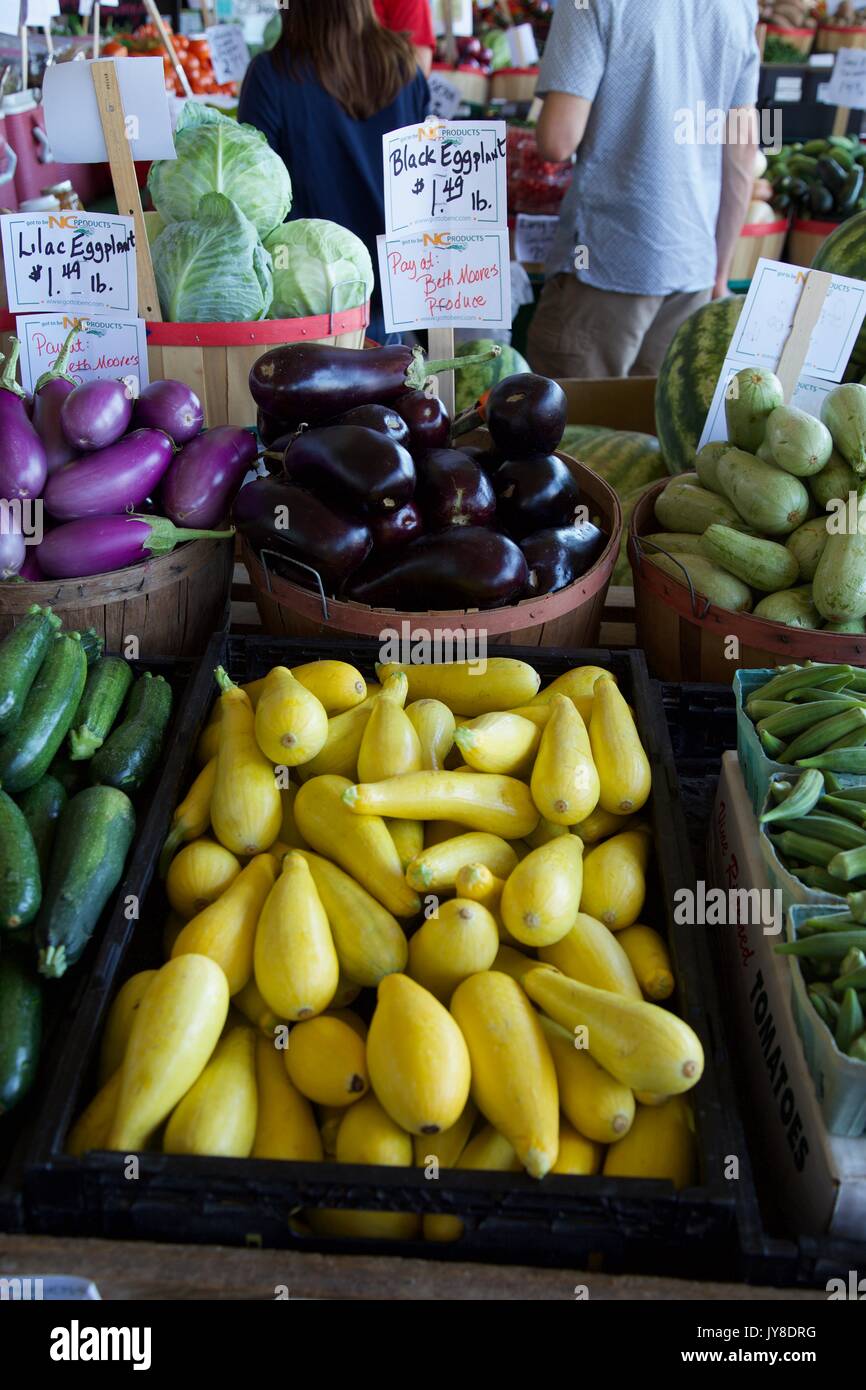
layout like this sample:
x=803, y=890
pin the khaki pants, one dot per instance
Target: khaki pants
x=580, y=331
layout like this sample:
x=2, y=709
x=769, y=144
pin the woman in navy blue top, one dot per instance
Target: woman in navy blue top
x=324, y=96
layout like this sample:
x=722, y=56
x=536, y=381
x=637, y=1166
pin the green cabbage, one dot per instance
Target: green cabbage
x=217, y=155
x=213, y=267
x=318, y=267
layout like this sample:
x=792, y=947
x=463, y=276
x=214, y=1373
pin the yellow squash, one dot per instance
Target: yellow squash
x=296, y=966
x=565, y=784
x=355, y=1021
x=513, y=1077
x=436, y=832
x=330, y=1118
x=285, y=1126
x=93, y=1126
x=475, y=881
x=510, y=961
x=439, y=864
x=346, y=993
x=446, y=1146
x=591, y=953
x=614, y=878
x=488, y=1152
x=369, y=941
x=578, y=1157
x=291, y=724
x=598, y=1106
x=649, y=958
x=499, y=805
x=470, y=687
x=417, y=1058
x=504, y=743
x=119, y=1023
x=460, y=940
x=198, y=875
x=623, y=766
x=541, y=897
x=660, y=1144
x=339, y=755
x=391, y=746
x=192, y=817
x=368, y=1135
x=174, y=1032
x=537, y=714
x=290, y=835
x=336, y=685
x=434, y=724
x=246, y=811
x=226, y=929
x=599, y=825
x=171, y=930
x=544, y=832
x=645, y=1047
x=579, y=685
x=254, y=1009
x=327, y=1060
x=217, y=1116
x=209, y=742
x=408, y=837
x=359, y=844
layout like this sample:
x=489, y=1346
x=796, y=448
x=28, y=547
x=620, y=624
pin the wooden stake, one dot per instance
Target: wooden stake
x=157, y=19
x=450, y=41
x=208, y=18
x=840, y=123
x=25, y=58
x=49, y=43
x=96, y=25
x=111, y=114
x=441, y=344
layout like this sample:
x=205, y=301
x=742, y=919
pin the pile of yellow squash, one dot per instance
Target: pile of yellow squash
x=522, y=1025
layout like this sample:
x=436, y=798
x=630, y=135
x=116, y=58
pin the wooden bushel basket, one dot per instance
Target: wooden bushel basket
x=803, y=39
x=569, y=618
x=832, y=37
x=758, y=239
x=806, y=239
x=514, y=84
x=688, y=639
x=473, y=86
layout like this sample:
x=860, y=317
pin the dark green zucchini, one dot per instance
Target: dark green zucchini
x=131, y=752
x=108, y=680
x=22, y=652
x=71, y=776
x=41, y=806
x=20, y=1028
x=93, y=645
x=93, y=838
x=26, y=752
x=20, y=879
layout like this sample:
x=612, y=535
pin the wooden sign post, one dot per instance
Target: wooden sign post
x=440, y=345
x=157, y=19
x=96, y=26
x=111, y=115
x=208, y=18
x=450, y=41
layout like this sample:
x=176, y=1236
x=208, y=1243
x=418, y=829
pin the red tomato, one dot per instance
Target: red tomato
x=201, y=49
x=112, y=49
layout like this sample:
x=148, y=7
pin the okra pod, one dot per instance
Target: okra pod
x=849, y=793
x=842, y=760
x=855, y=981
x=858, y=679
x=842, y=806
x=793, y=719
x=850, y=1023
x=772, y=746
x=820, y=1006
x=833, y=1007
x=824, y=990
x=835, y=830
x=813, y=877
x=854, y=960
x=830, y=946
x=798, y=678
x=857, y=905
x=833, y=690
x=822, y=735
x=762, y=709
x=836, y=921
x=833, y=785
x=857, y=1050
x=802, y=847
x=780, y=789
x=856, y=739
x=850, y=863
x=801, y=800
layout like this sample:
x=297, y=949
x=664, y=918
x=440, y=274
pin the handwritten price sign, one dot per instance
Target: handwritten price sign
x=105, y=348
x=80, y=262
x=446, y=279
x=453, y=175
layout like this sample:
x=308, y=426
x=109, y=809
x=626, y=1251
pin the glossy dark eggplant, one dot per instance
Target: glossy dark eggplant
x=526, y=414
x=270, y=427
x=484, y=455
x=427, y=419
x=535, y=494
x=556, y=558
x=293, y=525
x=463, y=567
x=453, y=490
x=381, y=418
x=393, y=529
x=351, y=464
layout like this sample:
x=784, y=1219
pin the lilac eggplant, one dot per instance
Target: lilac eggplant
x=453, y=490
x=96, y=414
x=51, y=391
x=381, y=418
x=350, y=461
x=171, y=406
x=535, y=494
x=463, y=567
x=100, y=544
x=556, y=558
x=526, y=414
x=204, y=478
x=31, y=570
x=23, y=462
x=13, y=552
x=392, y=529
x=115, y=479
x=310, y=383
x=295, y=526
x=427, y=419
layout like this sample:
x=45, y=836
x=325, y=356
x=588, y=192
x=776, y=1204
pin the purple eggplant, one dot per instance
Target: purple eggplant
x=23, y=463
x=487, y=458
x=293, y=525
x=526, y=414
x=31, y=570
x=453, y=491
x=556, y=558
x=203, y=479
x=13, y=552
x=115, y=479
x=463, y=567
x=100, y=544
x=171, y=406
x=427, y=419
x=51, y=391
x=535, y=494
x=393, y=529
x=381, y=418
x=354, y=464
x=96, y=414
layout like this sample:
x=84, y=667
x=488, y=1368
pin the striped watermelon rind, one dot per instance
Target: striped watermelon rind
x=626, y=459
x=844, y=253
x=470, y=383
x=577, y=437
x=688, y=379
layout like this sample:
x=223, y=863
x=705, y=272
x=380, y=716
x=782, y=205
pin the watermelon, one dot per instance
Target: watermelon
x=844, y=253
x=688, y=379
x=472, y=382
x=622, y=573
x=626, y=459
x=576, y=437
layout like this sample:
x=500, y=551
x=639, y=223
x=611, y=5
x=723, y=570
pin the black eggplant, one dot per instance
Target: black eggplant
x=270, y=427
x=463, y=567
x=427, y=420
x=557, y=557
x=382, y=418
x=295, y=525
x=535, y=494
x=453, y=490
x=484, y=455
x=392, y=529
x=350, y=463
x=526, y=414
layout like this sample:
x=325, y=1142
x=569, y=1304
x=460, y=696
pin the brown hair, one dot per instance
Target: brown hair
x=360, y=63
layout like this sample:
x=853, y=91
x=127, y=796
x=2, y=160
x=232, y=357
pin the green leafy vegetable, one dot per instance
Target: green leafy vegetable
x=319, y=267
x=212, y=268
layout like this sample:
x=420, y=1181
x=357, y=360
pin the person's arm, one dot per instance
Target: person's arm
x=561, y=125
x=573, y=65
x=738, y=177
x=425, y=59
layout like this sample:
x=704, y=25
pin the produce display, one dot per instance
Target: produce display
x=535, y=185
x=824, y=180
x=411, y=927
x=688, y=378
x=193, y=52
x=844, y=253
x=793, y=16
x=370, y=491
x=631, y=462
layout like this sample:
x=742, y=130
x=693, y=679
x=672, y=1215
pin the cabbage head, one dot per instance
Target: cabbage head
x=213, y=267
x=318, y=267
x=217, y=155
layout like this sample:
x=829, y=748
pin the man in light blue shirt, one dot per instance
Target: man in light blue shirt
x=657, y=98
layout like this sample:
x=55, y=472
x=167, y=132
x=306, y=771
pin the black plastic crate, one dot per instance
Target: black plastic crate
x=793, y=89
x=585, y=1222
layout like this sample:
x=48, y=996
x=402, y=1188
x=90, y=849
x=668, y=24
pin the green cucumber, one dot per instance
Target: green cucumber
x=793, y=607
x=707, y=461
x=93, y=838
x=806, y=544
x=132, y=751
x=684, y=506
x=799, y=443
x=22, y=652
x=835, y=481
x=765, y=565
x=768, y=500
x=21, y=1033
x=41, y=806
x=26, y=752
x=839, y=586
x=714, y=584
x=673, y=542
x=750, y=398
x=20, y=881
x=108, y=681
